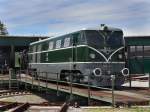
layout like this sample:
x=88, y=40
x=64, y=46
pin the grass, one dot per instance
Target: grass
x=119, y=110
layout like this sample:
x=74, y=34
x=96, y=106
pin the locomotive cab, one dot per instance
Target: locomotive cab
x=106, y=54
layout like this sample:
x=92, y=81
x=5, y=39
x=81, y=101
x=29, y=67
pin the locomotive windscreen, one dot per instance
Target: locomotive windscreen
x=114, y=38
x=101, y=39
x=94, y=39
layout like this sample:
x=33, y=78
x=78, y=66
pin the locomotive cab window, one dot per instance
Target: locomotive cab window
x=45, y=46
x=76, y=39
x=114, y=38
x=94, y=39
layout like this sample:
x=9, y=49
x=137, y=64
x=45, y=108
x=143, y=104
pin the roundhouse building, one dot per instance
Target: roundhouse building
x=138, y=58
x=11, y=46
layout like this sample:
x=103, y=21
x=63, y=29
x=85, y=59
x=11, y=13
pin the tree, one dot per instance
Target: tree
x=3, y=29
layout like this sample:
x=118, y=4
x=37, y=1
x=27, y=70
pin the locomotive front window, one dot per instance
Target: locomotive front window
x=94, y=39
x=114, y=38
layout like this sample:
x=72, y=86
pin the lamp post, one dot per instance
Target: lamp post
x=70, y=77
x=89, y=89
x=113, y=84
x=149, y=80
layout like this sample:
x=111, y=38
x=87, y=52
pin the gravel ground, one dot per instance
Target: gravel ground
x=118, y=110
x=137, y=84
x=88, y=109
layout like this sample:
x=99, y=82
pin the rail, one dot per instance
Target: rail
x=21, y=108
x=64, y=107
x=8, y=106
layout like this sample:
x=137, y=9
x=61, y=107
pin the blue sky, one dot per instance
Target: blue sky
x=55, y=17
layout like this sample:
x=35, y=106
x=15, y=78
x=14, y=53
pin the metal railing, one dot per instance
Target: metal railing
x=42, y=77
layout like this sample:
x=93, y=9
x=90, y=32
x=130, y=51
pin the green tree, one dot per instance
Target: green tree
x=3, y=29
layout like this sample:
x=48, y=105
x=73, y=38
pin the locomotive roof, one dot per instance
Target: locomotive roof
x=84, y=29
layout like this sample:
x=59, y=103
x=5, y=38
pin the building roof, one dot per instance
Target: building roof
x=19, y=40
x=137, y=40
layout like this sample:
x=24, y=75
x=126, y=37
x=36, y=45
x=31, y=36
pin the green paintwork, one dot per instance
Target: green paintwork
x=132, y=41
x=64, y=55
x=79, y=54
x=139, y=66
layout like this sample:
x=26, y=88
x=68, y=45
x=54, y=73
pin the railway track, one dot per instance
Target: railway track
x=11, y=93
x=15, y=107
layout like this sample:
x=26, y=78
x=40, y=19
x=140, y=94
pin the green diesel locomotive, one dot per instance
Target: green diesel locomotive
x=92, y=54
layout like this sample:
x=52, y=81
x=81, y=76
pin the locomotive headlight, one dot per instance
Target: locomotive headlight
x=92, y=56
x=120, y=56
x=97, y=72
x=125, y=71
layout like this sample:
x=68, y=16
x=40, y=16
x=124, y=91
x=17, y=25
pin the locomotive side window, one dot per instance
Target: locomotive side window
x=58, y=44
x=82, y=38
x=67, y=42
x=76, y=38
x=45, y=46
x=51, y=44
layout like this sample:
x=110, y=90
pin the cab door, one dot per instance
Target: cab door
x=75, y=42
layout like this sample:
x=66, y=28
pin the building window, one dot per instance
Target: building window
x=66, y=42
x=51, y=45
x=58, y=44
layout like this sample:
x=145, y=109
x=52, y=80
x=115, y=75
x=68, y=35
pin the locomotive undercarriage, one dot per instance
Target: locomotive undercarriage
x=71, y=75
x=80, y=75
